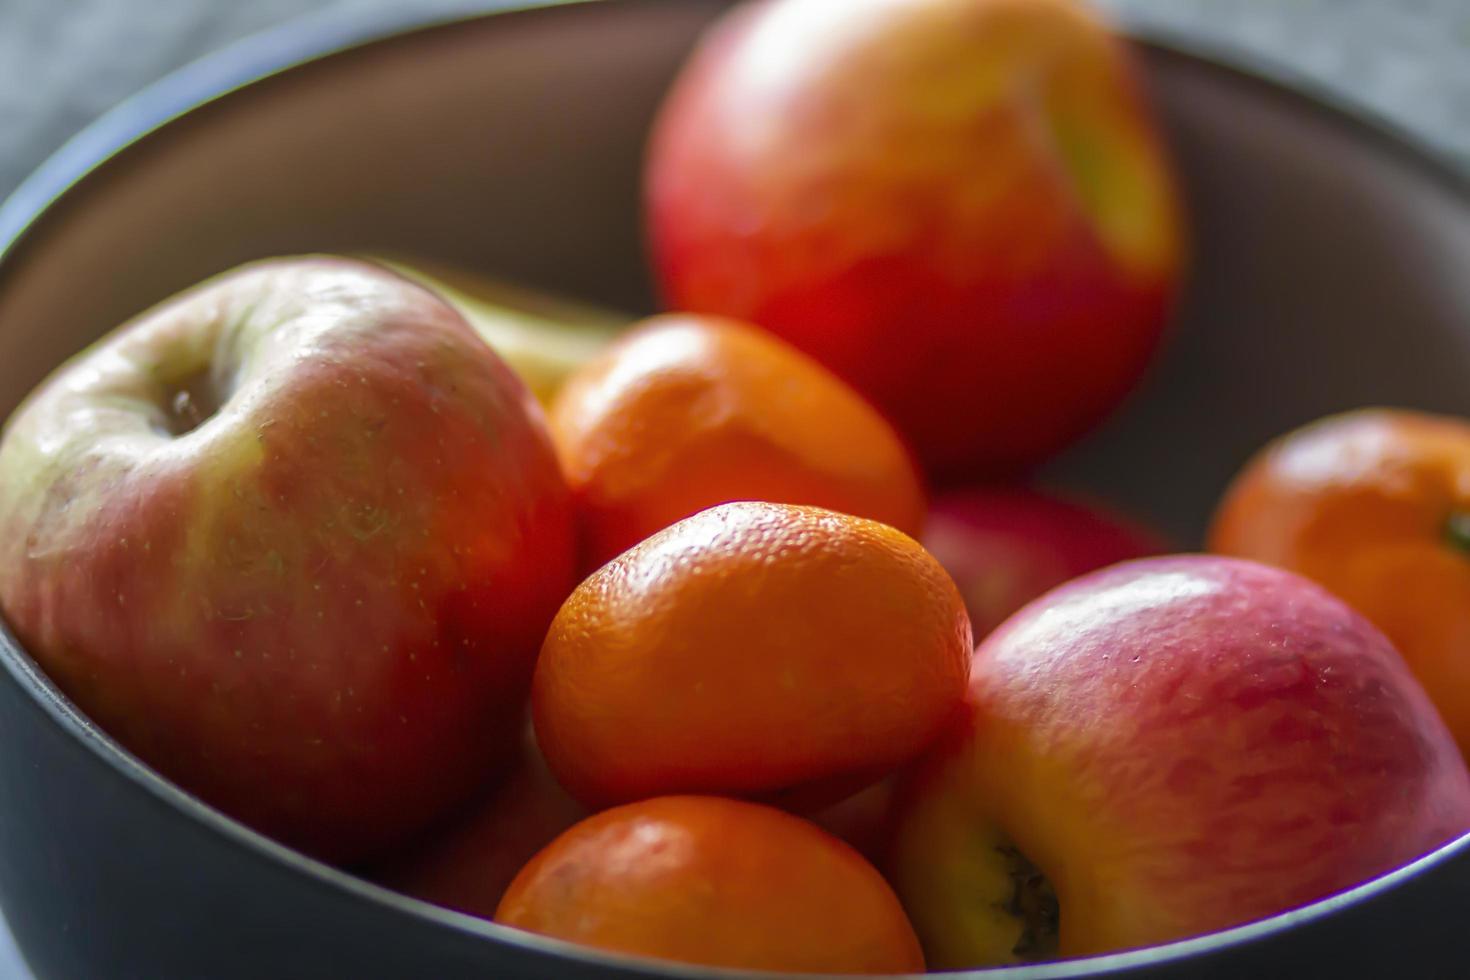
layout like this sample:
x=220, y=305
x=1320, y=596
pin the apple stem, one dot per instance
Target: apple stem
x=1457, y=530
x=1034, y=901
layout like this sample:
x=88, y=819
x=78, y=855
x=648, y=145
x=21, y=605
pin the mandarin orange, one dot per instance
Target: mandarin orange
x=687, y=412
x=717, y=882
x=754, y=649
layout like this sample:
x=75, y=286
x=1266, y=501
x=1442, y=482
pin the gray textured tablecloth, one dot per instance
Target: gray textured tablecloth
x=63, y=62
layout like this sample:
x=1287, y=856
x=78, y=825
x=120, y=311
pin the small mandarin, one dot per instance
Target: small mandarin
x=754, y=649
x=686, y=412
x=1374, y=505
x=717, y=882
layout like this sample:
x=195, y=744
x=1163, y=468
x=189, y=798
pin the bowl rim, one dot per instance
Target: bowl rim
x=148, y=116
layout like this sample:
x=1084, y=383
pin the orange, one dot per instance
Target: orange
x=1375, y=506
x=716, y=882
x=754, y=649
x=686, y=412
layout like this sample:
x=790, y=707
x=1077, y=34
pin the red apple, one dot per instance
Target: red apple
x=960, y=206
x=469, y=865
x=1004, y=546
x=293, y=537
x=1164, y=748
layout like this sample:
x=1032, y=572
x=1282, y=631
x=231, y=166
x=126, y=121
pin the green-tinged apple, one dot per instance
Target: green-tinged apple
x=962, y=207
x=1165, y=748
x=293, y=537
x=542, y=336
x=468, y=865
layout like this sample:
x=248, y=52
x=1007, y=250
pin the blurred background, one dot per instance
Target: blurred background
x=64, y=62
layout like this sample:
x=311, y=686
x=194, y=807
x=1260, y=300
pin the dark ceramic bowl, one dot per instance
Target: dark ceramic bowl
x=1332, y=272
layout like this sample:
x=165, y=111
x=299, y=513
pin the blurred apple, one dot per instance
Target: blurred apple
x=963, y=207
x=293, y=537
x=1165, y=748
x=542, y=336
x=1004, y=546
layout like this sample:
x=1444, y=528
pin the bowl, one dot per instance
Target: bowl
x=1330, y=273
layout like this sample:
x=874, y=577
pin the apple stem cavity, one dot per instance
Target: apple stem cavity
x=188, y=402
x=1457, y=531
x=1034, y=902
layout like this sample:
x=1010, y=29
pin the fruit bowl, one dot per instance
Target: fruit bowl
x=1328, y=275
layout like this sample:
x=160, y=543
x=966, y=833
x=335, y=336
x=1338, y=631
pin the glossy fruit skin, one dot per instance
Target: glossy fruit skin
x=319, y=609
x=468, y=863
x=687, y=412
x=962, y=207
x=718, y=882
x=754, y=649
x=1180, y=744
x=1006, y=545
x=1362, y=504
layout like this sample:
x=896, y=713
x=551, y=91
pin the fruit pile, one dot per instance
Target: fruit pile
x=660, y=638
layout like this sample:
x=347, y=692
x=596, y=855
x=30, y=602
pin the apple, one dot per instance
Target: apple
x=1006, y=545
x=1164, y=748
x=293, y=537
x=962, y=207
x=543, y=337
x=467, y=865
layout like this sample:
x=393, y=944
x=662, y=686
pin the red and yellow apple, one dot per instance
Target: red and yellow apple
x=962, y=207
x=1006, y=545
x=292, y=537
x=1165, y=748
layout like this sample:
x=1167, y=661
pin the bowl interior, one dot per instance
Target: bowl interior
x=1328, y=259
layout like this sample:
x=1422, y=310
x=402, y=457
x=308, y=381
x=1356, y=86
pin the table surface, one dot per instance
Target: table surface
x=61, y=65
